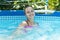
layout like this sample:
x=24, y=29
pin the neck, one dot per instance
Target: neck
x=30, y=22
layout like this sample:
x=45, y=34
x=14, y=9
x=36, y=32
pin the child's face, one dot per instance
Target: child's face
x=29, y=12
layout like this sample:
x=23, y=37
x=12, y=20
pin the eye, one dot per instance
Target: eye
x=28, y=12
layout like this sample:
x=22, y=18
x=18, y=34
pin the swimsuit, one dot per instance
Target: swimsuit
x=28, y=28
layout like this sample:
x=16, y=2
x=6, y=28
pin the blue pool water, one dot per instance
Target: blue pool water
x=49, y=27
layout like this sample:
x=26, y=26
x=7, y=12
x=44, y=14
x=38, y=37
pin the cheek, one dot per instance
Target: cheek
x=33, y=14
x=27, y=15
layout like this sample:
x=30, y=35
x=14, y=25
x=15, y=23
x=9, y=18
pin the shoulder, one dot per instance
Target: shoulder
x=23, y=24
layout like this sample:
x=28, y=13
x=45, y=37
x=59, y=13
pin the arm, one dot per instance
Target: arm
x=18, y=31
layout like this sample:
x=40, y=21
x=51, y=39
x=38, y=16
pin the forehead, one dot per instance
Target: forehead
x=29, y=8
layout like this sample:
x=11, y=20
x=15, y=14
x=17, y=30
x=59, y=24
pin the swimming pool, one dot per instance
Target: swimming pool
x=49, y=27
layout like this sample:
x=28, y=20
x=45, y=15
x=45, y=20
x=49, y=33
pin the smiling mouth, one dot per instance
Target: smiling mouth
x=32, y=15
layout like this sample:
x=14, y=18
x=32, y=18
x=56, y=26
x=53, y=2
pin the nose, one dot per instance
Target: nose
x=32, y=14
